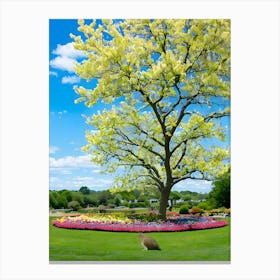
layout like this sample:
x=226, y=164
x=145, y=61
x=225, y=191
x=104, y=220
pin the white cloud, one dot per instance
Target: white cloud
x=53, y=179
x=63, y=63
x=105, y=181
x=91, y=182
x=62, y=112
x=70, y=161
x=53, y=149
x=194, y=185
x=83, y=179
x=67, y=50
x=75, y=180
x=61, y=170
x=52, y=73
x=69, y=165
x=70, y=79
x=66, y=57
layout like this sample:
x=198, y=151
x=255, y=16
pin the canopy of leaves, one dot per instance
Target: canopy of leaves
x=169, y=85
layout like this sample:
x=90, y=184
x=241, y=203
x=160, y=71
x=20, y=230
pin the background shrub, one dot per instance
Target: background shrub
x=196, y=210
x=101, y=208
x=75, y=205
x=184, y=209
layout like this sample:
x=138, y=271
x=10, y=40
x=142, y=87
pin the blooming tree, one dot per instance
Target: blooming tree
x=168, y=83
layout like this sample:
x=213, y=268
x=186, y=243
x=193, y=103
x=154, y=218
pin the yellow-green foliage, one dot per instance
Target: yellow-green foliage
x=165, y=71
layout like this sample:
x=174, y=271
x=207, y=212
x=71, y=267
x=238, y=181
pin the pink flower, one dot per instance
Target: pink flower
x=169, y=226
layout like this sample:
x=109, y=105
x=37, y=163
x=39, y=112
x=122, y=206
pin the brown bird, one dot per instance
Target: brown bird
x=148, y=242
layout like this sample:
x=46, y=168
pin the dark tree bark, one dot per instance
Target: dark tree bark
x=164, y=196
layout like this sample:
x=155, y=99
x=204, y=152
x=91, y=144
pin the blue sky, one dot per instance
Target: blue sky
x=70, y=168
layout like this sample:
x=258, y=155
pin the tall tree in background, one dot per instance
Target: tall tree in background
x=169, y=85
x=84, y=190
x=220, y=194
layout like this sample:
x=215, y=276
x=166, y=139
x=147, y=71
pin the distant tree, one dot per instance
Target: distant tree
x=61, y=201
x=53, y=200
x=220, y=194
x=67, y=194
x=117, y=201
x=127, y=195
x=187, y=197
x=103, y=197
x=142, y=198
x=202, y=196
x=90, y=200
x=84, y=190
x=175, y=195
x=118, y=196
x=136, y=193
x=78, y=196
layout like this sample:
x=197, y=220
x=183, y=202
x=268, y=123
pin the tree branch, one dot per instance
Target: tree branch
x=132, y=143
x=147, y=134
x=155, y=110
x=188, y=176
x=146, y=165
x=158, y=182
x=216, y=115
x=182, y=111
x=183, y=153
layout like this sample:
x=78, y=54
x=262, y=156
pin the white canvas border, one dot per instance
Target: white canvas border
x=255, y=138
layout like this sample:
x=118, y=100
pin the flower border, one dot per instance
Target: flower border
x=114, y=226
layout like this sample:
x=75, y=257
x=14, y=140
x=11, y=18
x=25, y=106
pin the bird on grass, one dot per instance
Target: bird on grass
x=148, y=242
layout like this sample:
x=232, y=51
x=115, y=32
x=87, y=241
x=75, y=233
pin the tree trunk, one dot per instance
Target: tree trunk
x=164, y=196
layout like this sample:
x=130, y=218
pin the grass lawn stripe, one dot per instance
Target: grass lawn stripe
x=89, y=245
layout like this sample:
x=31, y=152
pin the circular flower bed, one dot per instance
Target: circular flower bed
x=147, y=222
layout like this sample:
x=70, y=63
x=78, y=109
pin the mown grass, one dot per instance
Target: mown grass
x=86, y=245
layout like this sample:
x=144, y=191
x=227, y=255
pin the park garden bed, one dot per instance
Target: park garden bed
x=144, y=222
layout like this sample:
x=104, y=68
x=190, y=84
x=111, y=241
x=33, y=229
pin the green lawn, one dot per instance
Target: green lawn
x=87, y=245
